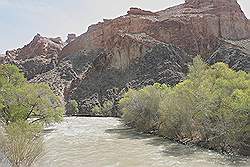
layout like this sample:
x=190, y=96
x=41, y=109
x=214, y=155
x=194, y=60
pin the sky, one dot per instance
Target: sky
x=20, y=20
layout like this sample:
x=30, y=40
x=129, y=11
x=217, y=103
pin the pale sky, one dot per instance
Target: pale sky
x=20, y=20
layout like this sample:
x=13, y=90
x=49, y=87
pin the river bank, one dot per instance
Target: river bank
x=99, y=142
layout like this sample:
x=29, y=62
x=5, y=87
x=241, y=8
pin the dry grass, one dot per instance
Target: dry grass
x=21, y=144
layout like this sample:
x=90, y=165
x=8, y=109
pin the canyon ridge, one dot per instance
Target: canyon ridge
x=137, y=49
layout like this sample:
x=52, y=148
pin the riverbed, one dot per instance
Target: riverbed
x=105, y=142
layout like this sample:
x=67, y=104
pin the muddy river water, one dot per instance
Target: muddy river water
x=105, y=142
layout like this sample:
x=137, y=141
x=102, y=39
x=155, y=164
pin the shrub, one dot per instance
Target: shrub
x=24, y=109
x=22, y=144
x=211, y=106
x=72, y=107
x=176, y=113
x=103, y=110
x=140, y=107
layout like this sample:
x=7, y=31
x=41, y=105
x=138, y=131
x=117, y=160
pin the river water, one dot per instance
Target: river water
x=105, y=142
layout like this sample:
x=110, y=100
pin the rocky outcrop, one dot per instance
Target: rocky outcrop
x=59, y=78
x=234, y=53
x=41, y=47
x=195, y=26
x=233, y=23
x=70, y=38
x=138, y=11
x=163, y=63
x=2, y=57
x=38, y=57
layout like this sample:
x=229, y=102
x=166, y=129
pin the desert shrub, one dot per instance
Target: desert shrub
x=140, y=107
x=183, y=103
x=226, y=120
x=176, y=113
x=22, y=143
x=211, y=106
x=103, y=110
x=72, y=107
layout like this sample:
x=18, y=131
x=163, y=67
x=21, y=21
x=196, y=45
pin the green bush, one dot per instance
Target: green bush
x=72, y=107
x=140, y=107
x=24, y=101
x=103, y=110
x=211, y=106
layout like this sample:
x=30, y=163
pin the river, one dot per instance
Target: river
x=105, y=142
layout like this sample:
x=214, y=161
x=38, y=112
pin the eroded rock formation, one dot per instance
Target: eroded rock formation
x=38, y=47
x=70, y=38
x=137, y=49
x=234, y=53
x=39, y=56
x=138, y=11
x=195, y=26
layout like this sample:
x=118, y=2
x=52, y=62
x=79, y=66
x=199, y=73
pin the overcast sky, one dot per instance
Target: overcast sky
x=20, y=20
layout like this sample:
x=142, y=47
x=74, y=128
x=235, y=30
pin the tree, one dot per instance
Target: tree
x=23, y=101
x=24, y=109
x=72, y=107
x=211, y=106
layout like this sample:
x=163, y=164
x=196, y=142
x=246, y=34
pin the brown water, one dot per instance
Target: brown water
x=105, y=142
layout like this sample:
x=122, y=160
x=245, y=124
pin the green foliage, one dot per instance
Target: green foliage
x=140, y=107
x=20, y=100
x=72, y=107
x=22, y=143
x=24, y=109
x=10, y=76
x=211, y=106
x=104, y=110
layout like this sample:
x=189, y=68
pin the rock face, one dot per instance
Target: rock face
x=100, y=81
x=39, y=56
x=38, y=47
x=138, y=11
x=2, y=57
x=233, y=24
x=59, y=78
x=234, y=53
x=195, y=26
x=137, y=49
x=70, y=38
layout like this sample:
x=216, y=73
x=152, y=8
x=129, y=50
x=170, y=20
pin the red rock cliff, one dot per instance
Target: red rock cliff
x=39, y=47
x=196, y=26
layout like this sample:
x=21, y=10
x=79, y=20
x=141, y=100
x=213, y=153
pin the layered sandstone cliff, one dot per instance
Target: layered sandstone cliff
x=38, y=47
x=37, y=57
x=195, y=26
x=137, y=49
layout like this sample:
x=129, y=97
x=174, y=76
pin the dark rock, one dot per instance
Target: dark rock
x=70, y=38
x=163, y=64
x=234, y=53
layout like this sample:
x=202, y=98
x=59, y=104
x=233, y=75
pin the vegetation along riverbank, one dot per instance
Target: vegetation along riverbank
x=25, y=108
x=210, y=108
